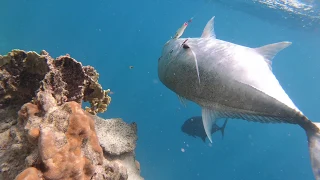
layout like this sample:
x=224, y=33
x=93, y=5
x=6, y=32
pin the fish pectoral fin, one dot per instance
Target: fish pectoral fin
x=182, y=100
x=209, y=118
x=196, y=64
x=208, y=31
x=270, y=51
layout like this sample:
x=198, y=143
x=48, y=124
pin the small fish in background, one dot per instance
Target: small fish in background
x=194, y=127
x=131, y=67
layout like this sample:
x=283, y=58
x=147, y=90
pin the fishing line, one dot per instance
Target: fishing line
x=201, y=9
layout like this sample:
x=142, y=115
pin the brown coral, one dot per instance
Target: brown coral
x=19, y=79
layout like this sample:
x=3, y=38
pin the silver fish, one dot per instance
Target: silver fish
x=232, y=81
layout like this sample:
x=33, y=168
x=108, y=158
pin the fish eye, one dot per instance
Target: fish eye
x=186, y=46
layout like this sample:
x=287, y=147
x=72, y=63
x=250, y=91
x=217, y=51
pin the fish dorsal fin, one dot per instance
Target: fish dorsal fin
x=208, y=31
x=269, y=51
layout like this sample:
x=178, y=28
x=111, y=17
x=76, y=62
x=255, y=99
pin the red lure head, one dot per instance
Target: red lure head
x=186, y=23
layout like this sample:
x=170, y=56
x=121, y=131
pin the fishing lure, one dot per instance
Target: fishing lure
x=182, y=28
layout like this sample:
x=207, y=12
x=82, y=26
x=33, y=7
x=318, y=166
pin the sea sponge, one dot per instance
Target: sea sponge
x=68, y=146
x=71, y=154
x=33, y=135
x=28, y=119
x=30, y=173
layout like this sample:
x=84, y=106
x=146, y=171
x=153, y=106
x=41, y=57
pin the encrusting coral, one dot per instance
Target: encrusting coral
x=51, y=136
x=117, y=137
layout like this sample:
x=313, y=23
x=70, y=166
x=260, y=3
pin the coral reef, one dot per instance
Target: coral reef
x=44, y=132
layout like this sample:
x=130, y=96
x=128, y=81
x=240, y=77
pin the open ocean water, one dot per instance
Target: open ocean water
x=113, y=35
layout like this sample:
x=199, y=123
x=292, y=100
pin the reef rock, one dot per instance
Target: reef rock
x=44, y=132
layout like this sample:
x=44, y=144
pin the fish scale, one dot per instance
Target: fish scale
x=228, y=80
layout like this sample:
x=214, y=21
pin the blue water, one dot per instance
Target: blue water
x=113, y=35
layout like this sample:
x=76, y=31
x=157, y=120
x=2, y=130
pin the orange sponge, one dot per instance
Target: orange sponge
x=30, y=173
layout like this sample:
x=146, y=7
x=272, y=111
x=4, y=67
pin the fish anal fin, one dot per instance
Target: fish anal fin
x=208, y=31
x=203, y=139
x=223, y=127
x=270, y=51
x=209, y=118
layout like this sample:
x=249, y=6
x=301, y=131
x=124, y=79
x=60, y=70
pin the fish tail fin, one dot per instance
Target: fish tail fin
x=223, y=127
x=313, y=134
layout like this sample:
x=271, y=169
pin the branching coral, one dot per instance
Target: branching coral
x=51, y=133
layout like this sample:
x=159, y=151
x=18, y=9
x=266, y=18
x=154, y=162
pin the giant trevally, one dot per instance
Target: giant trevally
x=232, y=81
